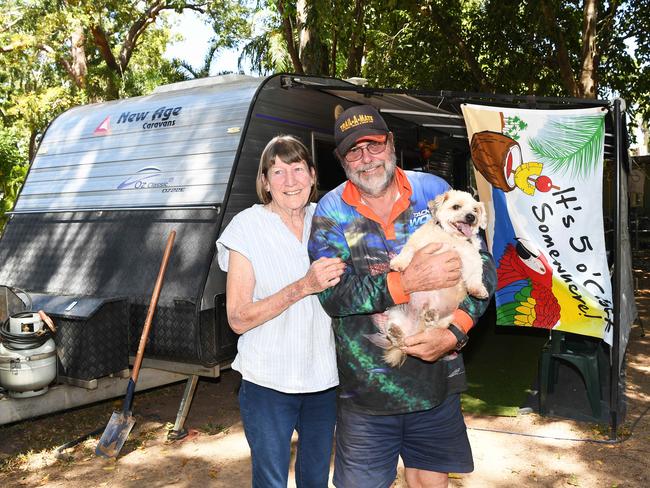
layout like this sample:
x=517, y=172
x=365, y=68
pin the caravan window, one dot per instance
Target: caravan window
x=330, y=172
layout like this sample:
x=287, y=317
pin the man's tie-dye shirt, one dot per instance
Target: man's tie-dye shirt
x=343, y=226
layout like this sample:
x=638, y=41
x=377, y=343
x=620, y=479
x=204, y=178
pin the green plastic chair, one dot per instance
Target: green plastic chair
x=580, y=351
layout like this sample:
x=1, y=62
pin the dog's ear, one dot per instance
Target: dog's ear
x=435, y=204
x=482, y=216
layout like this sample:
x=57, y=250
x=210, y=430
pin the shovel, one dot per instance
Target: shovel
x=121, y=423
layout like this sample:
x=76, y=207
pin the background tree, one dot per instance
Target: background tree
x=13, y=169
x=548, y=48
x=54, y=55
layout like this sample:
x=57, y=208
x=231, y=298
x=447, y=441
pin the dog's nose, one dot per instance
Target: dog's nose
x=470, y=218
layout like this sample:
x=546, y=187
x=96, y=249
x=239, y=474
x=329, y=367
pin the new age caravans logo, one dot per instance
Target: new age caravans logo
x=159, y=118
x=150, y=178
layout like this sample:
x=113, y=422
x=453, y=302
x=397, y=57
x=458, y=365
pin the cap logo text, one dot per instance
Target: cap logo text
x=356, y=121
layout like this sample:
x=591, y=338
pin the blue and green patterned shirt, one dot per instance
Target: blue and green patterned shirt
x=342, y=228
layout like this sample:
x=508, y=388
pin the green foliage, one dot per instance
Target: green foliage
x=54, y=55
x=13, y=168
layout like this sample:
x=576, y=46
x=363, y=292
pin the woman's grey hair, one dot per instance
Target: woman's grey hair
x=290, y=150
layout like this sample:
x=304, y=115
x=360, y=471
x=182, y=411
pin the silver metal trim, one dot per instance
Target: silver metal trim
x=450, y=126
x=415, y=112
x=116, y=209
x=26, y=359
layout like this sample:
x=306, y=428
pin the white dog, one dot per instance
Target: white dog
x=455, y=221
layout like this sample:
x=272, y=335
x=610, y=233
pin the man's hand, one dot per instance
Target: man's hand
x=430, y=344
x=430, y=271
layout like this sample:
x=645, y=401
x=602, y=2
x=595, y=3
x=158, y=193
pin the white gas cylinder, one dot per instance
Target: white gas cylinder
x=27, y=373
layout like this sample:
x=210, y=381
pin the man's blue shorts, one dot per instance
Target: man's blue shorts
x=368, y=446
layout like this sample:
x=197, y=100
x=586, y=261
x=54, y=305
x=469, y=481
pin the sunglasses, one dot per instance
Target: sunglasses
x=356, y=153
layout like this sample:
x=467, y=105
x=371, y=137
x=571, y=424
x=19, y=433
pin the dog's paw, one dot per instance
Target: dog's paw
x=478, y=292
x=395, y=335
x=430, y=317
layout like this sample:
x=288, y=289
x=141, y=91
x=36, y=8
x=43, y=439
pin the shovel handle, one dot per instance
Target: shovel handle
x=47, y=320
x=152, y=307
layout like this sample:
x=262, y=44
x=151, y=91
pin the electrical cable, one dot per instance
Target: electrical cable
x=595, y=441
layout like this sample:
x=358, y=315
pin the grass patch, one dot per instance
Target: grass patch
x=501, y=365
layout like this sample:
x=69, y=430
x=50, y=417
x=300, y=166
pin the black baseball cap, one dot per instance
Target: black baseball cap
x=356, y=123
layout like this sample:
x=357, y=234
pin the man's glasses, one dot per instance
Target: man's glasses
x=356, y=153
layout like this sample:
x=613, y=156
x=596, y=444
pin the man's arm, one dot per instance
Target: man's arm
x=355, y=293
x=367, y=293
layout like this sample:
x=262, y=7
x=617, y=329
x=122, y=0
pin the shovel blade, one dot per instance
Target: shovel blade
x=115, y=434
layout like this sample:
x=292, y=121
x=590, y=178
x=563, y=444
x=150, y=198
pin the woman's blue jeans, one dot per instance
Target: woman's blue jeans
x=270, y=417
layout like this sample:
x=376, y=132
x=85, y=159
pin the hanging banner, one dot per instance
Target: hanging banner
x=539, y=172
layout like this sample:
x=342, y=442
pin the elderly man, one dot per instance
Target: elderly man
x=412, y=411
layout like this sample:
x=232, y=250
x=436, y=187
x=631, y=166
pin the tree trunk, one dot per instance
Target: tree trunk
x=79, y=66
x=357, y=42
x=589, y=69
x=314, y=55
x=32, y=143
x=562, y=54
x=334, y=45
x=287, y=32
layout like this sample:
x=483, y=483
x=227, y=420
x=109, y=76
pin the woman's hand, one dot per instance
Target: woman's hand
x=245, y=314
x=322, y=274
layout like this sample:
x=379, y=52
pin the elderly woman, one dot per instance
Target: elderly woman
x=286, y=350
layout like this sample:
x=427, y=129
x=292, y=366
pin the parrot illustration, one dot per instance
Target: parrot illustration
x=525, y=282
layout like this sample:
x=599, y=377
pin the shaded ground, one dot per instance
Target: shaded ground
x=522, y=451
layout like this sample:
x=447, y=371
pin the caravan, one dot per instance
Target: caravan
x=111, y=180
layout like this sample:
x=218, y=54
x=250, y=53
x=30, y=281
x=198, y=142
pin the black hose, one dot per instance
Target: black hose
x=23, y=341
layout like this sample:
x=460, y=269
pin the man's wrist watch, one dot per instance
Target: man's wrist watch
x=461, y=337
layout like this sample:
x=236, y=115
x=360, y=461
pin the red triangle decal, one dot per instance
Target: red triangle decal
x=104, y=128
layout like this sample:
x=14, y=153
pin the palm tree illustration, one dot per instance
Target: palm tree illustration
x=571, y=144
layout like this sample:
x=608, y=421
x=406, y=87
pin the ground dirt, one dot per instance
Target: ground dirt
x=523, y=451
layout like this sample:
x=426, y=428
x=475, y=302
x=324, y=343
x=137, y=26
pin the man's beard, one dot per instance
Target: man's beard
x=374, y=185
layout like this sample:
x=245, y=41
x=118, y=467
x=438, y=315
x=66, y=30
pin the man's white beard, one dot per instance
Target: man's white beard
x=375, y=185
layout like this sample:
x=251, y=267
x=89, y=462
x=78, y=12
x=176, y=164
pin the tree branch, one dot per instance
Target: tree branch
x=562, y=54
x=14, y=46
x=451, y=32
x=605, y=27
x=62, y=61
x=101, y=40
x=138, y=28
